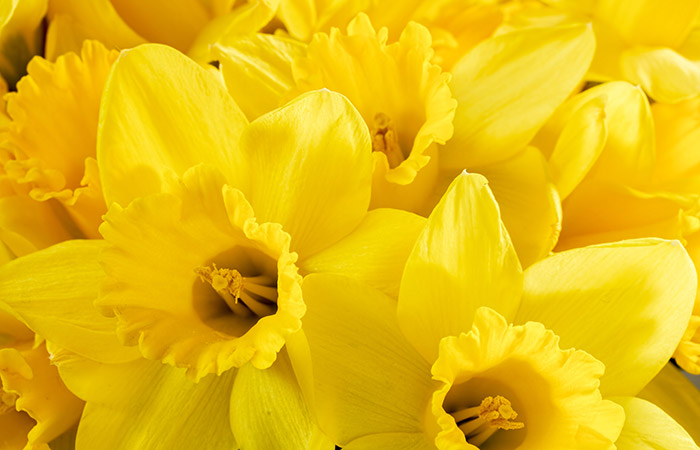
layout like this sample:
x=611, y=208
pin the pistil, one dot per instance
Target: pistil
x=479, y=423
x=7, y=401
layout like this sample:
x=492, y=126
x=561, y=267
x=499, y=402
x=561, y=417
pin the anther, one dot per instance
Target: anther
x=479, y=423
x=386, y=140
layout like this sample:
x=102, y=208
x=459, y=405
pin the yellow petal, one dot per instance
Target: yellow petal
x=96, y=19
x=624, y=213
x=258, y=71
x=677, y=128
x=27, y=225
x=508, y=86
x=14, y=426
x=146, y=404
x=529, y=203
x=358, y=356
x=246, y=19
x=27, y=373
x=173, y=23
x=648, y=427
x=268, y=410
x=664, y=74
x=53, y=290
x=463, y=259
x=578, y=147
x=311, y=169
x=640, y=292
x=374, y=253
x=162, y=114
x=628, y=154
x=299, y=17
x=55, y=114
x=391, y=441
x=671, y=391
x=552, y=394
x=650, y=22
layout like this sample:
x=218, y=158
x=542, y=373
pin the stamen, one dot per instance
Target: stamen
x=245, y=296
x=479, y=423
x=386, y=140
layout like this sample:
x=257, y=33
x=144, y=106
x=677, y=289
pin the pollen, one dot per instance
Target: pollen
x=479, y=423
x=385, y=139
x=245, y=296
x=222, y=280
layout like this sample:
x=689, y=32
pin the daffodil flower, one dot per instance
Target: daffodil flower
x=444, y=369
x=506, y=88
x=189, y=25
x=624, y=171
x=35, y=405
x=647, y=43
x=211, y=225
x=52, y=140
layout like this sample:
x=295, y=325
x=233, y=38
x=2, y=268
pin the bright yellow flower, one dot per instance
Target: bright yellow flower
x=510, y=386
x=506, y=88
x=646, y=42
x=35, y=406
x=627, y=170
x=212, y=223
x=52, y=137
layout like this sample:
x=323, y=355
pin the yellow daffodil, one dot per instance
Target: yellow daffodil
x=21, y=36
x=212, y=223
x=35, y=406
x=185, y=25
x=443, y=369
x=625, y=170
x=506, y=88
x=52, y=138
x=653, y=44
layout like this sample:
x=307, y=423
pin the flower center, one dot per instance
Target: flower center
x=479, y=423
x=385, y=139
x=245, y=296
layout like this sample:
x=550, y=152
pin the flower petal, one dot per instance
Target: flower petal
x=671, y=391
x=648, y=427
x=27, y=373
x=162, y=114
x=650, y=22
x=391, y=441
x=27, y=225
x=463, y=259
x=508, y=86
x=666, y=75
x=640, y=293
x=146, y=404
x=374, y=253
x=53, y=292
x=529, y=203
x=258, y=70
x=268, y=410
x=96, y=19
x=358, y=355
x=173, y=23
x=313, y=169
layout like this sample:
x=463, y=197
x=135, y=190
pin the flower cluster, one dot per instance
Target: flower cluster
x=356, y=224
